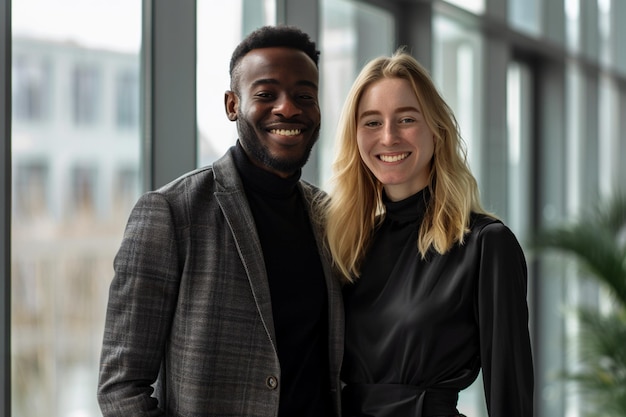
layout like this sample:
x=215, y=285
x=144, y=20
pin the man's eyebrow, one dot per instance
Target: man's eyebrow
x=272, y=81
x=307, y=84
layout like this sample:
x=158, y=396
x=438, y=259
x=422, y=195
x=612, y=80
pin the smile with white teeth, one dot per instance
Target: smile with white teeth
x=286, y=132
x=394, y=158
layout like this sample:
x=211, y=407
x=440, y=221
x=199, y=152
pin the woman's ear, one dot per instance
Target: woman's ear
x=231, y=105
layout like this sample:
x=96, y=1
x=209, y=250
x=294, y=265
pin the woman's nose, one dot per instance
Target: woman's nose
x=389, y=134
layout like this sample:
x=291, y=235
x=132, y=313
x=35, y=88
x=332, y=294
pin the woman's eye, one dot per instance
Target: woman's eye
x=407, y=120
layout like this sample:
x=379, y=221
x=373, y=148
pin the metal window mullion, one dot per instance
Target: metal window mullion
x=5, y=208
x=168, y=91
x=304, y=14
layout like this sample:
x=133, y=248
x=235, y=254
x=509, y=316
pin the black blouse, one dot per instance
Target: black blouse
x=419, y=330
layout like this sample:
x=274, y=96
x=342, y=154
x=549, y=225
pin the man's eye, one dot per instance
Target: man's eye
x=306, y=96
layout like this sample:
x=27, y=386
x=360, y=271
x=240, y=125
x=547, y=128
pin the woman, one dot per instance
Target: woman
x=435, y=286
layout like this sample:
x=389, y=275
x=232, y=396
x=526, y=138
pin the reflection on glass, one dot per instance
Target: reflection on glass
x=75, y=159
x=352, y=34
x=220, y=29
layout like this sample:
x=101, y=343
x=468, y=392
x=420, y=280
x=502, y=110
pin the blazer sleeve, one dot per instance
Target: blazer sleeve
x=505, y=347
x=142, y=300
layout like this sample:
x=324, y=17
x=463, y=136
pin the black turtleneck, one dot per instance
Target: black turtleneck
x=297, y=287
x=419, y=330
x=401, y=225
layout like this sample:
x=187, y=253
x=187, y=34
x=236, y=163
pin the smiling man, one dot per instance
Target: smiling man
x=222, y=298
x=274, y=100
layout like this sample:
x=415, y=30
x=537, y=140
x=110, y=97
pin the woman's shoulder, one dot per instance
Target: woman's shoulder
x=488, y=227
x=479, y=221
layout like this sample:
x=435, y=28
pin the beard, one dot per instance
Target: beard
x=260, y=152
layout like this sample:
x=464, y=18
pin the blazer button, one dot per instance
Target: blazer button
x=271, y=382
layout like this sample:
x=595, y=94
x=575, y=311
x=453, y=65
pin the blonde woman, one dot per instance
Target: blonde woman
x=435, y=287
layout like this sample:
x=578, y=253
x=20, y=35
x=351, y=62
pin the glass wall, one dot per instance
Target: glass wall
x=526, y=16
x=609, y=135
x=520, y=144
x=236, y=19
x=457, y=72
x=75, y=158
x=572, y=16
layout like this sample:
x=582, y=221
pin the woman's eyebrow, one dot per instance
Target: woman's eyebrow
x=398, y=110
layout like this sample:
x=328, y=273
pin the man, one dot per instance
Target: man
x=223, y=298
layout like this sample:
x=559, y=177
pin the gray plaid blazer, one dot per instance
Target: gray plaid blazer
x=189, y=329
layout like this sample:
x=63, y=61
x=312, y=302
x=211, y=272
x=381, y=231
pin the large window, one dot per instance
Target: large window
x=526, y=16
x=75, y=158
x=457, y=72
x=236, y=19
x=127, y=98
x=519, y=148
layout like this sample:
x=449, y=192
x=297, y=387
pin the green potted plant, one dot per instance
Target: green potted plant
x=597, y=242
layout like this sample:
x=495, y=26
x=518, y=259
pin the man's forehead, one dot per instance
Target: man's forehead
x=273, y=62
x=277, y=53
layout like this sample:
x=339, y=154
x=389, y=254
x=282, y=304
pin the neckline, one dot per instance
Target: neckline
x=261, y=181
x=411, y=209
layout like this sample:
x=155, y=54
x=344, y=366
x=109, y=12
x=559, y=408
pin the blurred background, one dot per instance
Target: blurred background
x=101, y=101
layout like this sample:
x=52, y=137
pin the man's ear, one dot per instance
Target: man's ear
x=231, y=104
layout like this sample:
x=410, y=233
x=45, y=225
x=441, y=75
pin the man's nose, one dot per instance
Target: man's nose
x=287, y=107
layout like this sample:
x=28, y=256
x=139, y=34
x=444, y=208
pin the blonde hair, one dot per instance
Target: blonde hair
x=356, y=207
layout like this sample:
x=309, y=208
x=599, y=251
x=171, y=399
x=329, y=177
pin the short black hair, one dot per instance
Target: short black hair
x=275, y=36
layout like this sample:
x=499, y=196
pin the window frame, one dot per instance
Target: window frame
x=5, y=207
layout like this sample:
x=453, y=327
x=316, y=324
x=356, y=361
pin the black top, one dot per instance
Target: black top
x=297, y=288
x=418, y=331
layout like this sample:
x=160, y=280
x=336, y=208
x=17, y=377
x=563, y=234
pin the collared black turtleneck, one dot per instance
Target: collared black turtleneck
x=297, y=287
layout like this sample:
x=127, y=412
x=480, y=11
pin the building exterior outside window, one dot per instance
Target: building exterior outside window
x=75, y=178
x=86, y=92
x=31, y=88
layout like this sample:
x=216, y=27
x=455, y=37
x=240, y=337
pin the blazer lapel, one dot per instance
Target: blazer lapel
x=232, y=200
x=335, y=299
